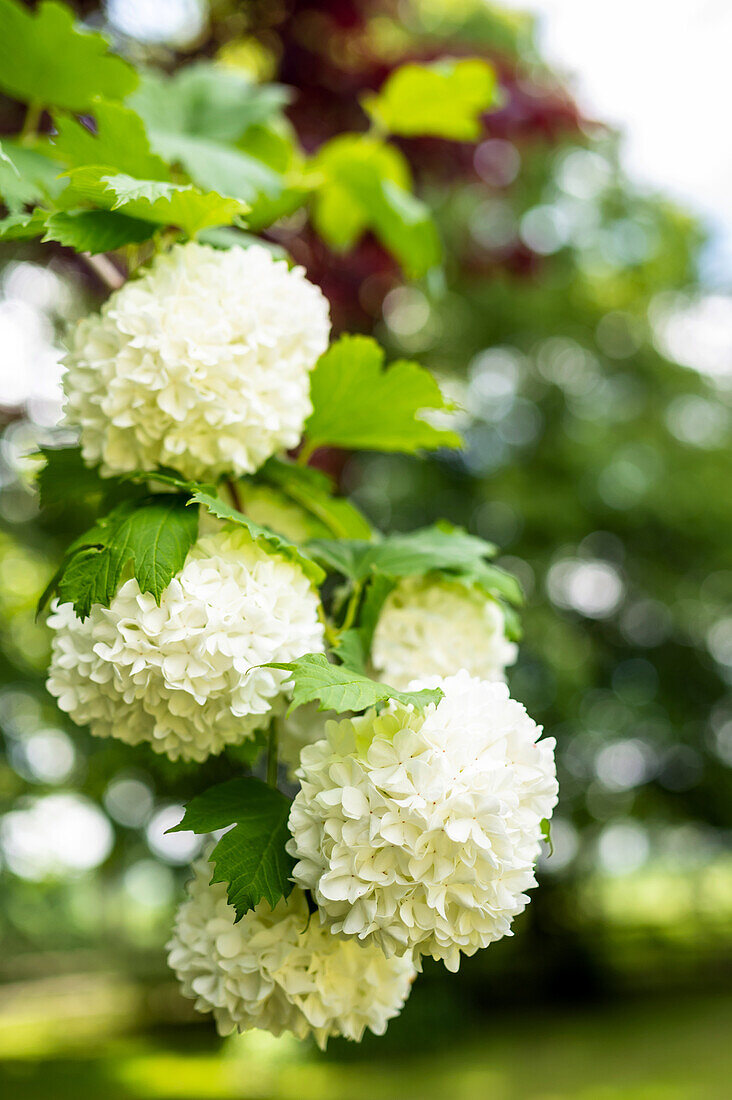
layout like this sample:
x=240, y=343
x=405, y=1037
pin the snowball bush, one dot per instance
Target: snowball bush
x=178, y=675
x=279, y=970
x=433, y=627
x=420, y=831
x=202, y=363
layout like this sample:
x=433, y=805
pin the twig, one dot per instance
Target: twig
x=306, y=452
x=352, y=607
x=233, y=489
x=104, y=270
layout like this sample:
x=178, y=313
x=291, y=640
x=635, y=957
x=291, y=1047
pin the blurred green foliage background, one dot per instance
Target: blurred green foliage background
x=599, y=462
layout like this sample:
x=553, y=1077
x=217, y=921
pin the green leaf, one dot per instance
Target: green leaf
x=65, y=476
x=339, y=688
x=194, y=118
x=339, y=216
x=313, y=490
x=444, y=99
x=365, y=185
x=181, y=205
x=261, y=535
x=440, y=547
x=251, y=858
x=95, y=230
x=217, y=167
x=153, y=535
x=22, y=227
x=350, y=650
x=45, y=58
x=229, y=237
x=27, y=176
x=378, y=590
x=362, y=406
x=206, y=99
x=120, y=142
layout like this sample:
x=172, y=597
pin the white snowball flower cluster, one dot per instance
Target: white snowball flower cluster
x=279, y=970
x=178, y=675
x=433, y=627
x=201, y=364
x=421, y=831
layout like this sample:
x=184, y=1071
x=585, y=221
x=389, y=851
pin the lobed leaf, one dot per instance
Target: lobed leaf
x=339, y=688
x=443, y=99
x=251, y=857
x=359, y=404
x=152, y=535
x=261, y=534
x=366, y=185
x=47, y=59
x=95, y=230
x=313, y=490
x=22, y=227
x=120, y=142
x=163, y=203
x=65, y=476
x=217, y=167
x=206, y=99
x=27, y=176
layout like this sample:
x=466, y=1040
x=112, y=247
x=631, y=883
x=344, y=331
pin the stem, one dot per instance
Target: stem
x=30, y=123
x=306, y=452
x=234, y=490
x=272, y=755
x=104, y=270
x=331, y=636
x=352, y=608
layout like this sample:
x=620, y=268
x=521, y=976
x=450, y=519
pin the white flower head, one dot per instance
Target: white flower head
x=420, y=831
x=182, y=675
x=201, y=364
x=432, y=627
x=278, y=970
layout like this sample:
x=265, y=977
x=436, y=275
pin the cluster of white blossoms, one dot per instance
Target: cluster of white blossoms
x=432, y=627
x=415, y=833
x=419, y=832
x=201, y=364
x=279, y=970
x=181, y=675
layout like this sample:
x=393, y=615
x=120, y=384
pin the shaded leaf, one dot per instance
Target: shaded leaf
x=210, y=100
x=219, y=167
x=120, y=142
x=152, y=535
x=65, y=476
x=95, y=230
x=440, y=547
x=251, y=858
x=22, y=227
x=314, y=490
x=27, y=176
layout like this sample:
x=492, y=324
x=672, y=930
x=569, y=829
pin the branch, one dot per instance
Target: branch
x=104, y=269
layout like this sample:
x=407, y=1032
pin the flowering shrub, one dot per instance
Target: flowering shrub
x=225, y=581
